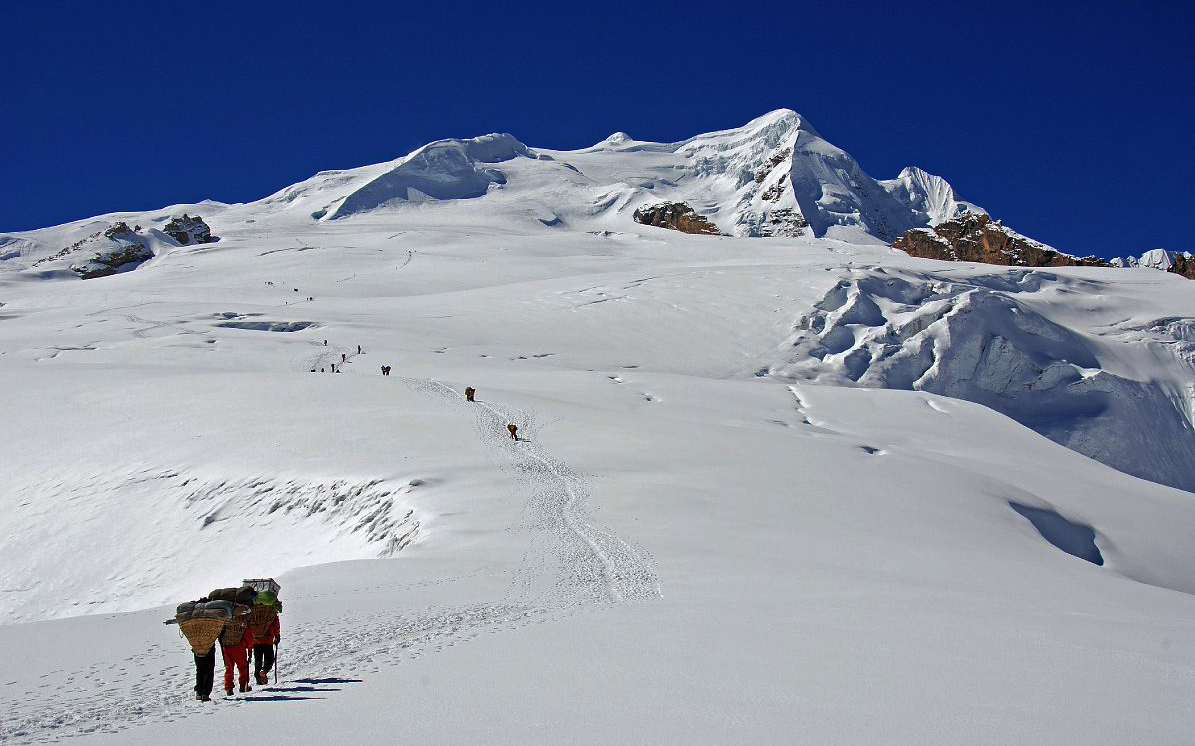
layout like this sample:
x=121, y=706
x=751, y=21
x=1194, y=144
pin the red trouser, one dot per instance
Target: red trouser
x=239, y=656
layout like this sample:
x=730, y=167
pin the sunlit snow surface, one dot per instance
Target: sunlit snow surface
x=747, y=507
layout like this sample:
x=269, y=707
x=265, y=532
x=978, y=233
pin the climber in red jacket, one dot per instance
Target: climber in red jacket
x=236, y=652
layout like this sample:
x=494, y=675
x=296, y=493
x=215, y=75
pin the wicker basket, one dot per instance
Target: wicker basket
x=261, y=619
x=201, y=633
x=234, y=629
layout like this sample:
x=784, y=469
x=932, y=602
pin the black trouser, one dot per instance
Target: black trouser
x=263, y=658
x=205, y=668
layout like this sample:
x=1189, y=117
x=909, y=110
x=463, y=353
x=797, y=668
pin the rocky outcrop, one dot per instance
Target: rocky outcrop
x=117, y=248
x=112, y=261
x=188, y=229
x=975, y=237
x=677, y=216
x=1184, y=265
x=119, y=230
x=784, y=222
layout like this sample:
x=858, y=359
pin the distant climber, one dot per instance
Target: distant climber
x=385, y=370
x=469, y=393
x=358, y=349
x=514, y=431
x=343, y=357
x=325, y=343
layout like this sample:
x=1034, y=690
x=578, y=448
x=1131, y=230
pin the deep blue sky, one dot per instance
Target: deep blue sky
x=1070, y=121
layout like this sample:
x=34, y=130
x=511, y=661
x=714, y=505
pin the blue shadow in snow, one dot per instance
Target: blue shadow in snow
x=328, y=681
x=1075, y=539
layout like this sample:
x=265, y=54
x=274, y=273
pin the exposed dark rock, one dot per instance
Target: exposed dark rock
x=975, y=237
x=774, y=161
x=773, y=192
x=110, y=262
x=784, y=221
x=676, y=215
x=118, y=230
x=1184, y=264
x=188, y=230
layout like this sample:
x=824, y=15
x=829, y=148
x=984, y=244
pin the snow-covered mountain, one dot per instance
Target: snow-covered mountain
x=763, y=486
x=773, y=176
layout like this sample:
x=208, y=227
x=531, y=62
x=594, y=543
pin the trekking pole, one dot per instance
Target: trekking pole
x=277, y=662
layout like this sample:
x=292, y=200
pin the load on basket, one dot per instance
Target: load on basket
x=243, y=595
x=262, y=584
x=201, y=622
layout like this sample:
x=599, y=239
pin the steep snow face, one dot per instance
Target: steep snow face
x=931, y=197
x=779, y=164
x=774, y=176
x=984, y=339
x=447, y=169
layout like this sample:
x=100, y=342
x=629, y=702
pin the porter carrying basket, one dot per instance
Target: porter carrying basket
x=201, y=623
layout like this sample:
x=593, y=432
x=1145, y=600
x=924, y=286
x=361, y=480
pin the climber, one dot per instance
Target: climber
x=264, y=624
x=204, y=633
x=514, y=431
x=235, y=644
x=358, y=349
x=469, y=393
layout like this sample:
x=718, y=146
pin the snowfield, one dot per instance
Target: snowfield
x=797, y=489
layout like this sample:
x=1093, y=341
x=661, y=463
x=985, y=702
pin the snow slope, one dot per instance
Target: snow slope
x=751, y=504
